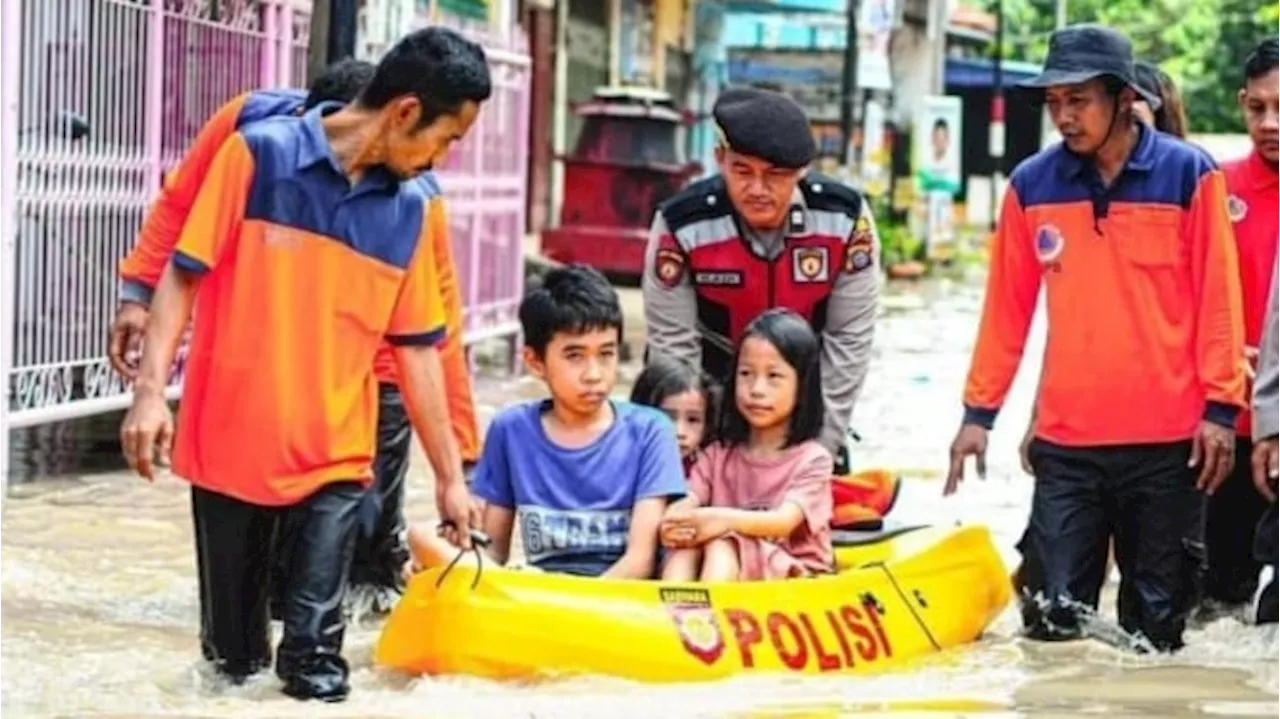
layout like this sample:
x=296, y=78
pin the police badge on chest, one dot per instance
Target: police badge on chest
x=810, y=264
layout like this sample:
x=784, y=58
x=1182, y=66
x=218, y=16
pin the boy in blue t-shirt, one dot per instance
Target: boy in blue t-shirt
x=588, y=477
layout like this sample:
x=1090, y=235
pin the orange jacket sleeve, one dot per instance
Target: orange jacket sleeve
x=218, y=212
x=453, y=351
x=1219, y=307
x=1013, y=281
x=141, y=268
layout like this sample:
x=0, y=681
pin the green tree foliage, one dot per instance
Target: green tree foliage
x=1202, y=44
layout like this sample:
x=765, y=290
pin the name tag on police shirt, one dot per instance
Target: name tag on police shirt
x=718, y=278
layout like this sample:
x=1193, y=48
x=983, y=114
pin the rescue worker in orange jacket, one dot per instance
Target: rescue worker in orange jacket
x=1127, y=229
x=766, y=232
x=380, y=550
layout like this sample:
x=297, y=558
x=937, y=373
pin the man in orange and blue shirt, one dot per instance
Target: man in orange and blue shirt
x=380, y=550
x=306, y=247
x=1253, y=185
x=1127, y=229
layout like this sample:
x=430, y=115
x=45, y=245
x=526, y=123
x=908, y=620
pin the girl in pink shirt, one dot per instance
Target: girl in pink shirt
x=678, y=389
x=759, y=503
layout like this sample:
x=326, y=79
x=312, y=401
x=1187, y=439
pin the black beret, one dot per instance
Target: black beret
x=765, y=124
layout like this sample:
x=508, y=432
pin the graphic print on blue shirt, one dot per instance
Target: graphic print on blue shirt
x=574, y=505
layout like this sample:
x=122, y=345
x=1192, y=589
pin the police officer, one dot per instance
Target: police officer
x=766, y=232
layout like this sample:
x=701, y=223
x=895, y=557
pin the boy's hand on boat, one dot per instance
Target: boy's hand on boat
x=146, y=436
x=970, y=441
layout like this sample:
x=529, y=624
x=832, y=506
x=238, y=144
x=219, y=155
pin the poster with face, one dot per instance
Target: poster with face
x=936, y=157
x=936, y=139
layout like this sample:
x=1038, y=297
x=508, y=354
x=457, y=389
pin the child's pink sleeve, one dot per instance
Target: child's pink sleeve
x=810, y=487
x=702, y=475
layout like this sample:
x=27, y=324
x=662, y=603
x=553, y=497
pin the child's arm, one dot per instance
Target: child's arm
x=807, y=499
x=642, y=541
x=659, y=480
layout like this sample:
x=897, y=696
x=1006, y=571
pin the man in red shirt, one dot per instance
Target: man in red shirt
x=1253, y=186
x=307, y=247
x=1127, y=230
x=1258, y=214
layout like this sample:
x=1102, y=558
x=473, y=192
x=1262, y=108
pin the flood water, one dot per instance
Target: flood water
x=99, y=601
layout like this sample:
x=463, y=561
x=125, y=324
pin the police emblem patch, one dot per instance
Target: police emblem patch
x=668, y=267
x=1049, y=243
x=809, y=264
x=1236, y=208
x=858, y=254
x=695, y=622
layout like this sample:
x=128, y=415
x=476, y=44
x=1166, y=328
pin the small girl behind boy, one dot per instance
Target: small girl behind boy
x=678, y=389
x=759, y=504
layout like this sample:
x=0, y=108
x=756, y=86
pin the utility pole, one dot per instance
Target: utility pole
x=342, y=30
x=849, y=89
x=1060, y=14
x=997, y=115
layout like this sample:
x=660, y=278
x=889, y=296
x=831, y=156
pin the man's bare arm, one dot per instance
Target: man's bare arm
x=170, y=312
x=422, y=384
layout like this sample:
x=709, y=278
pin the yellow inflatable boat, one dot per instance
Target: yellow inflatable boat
x=899, y=594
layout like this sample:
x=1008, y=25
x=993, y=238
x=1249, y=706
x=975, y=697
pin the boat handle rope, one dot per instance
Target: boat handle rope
x=479, y=541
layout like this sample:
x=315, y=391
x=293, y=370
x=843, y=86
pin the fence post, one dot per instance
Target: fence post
x=284, y=11
x=10, y=67
x=270, y=71
x=154, y=117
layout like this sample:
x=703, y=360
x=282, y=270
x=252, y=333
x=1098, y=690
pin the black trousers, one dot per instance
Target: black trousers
x=1231, y=519
x=234, y=543
x=1143, y=497
x=380, y=549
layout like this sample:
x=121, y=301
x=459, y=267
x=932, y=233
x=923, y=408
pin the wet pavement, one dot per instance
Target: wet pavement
x=98, y=601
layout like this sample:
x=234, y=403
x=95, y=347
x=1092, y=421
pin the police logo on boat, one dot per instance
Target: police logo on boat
x=695, y=622
x=1237, y=208
x=1049, y=244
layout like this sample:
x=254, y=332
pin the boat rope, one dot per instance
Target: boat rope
x=906, y=602
x=479, y=540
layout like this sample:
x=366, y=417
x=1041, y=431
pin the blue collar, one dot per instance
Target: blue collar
x=1142, y=159
x=315, y=150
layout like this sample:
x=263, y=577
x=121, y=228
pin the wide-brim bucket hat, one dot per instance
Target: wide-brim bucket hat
x=1080, y=53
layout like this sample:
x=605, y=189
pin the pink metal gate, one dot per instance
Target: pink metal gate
x=484, y=178
x=97, y=99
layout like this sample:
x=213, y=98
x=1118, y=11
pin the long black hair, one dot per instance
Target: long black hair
x=665, y=377
x=795, y=340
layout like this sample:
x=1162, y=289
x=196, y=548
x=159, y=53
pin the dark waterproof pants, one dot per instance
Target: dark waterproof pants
x=1144, y=497
x=1232, y=516
x=234, y=543
x=380, y=550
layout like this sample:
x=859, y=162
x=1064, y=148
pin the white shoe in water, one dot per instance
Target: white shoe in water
x=1266, y=588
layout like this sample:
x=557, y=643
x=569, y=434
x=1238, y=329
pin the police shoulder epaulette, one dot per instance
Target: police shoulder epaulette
x=827, y=193
x=703, y=200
